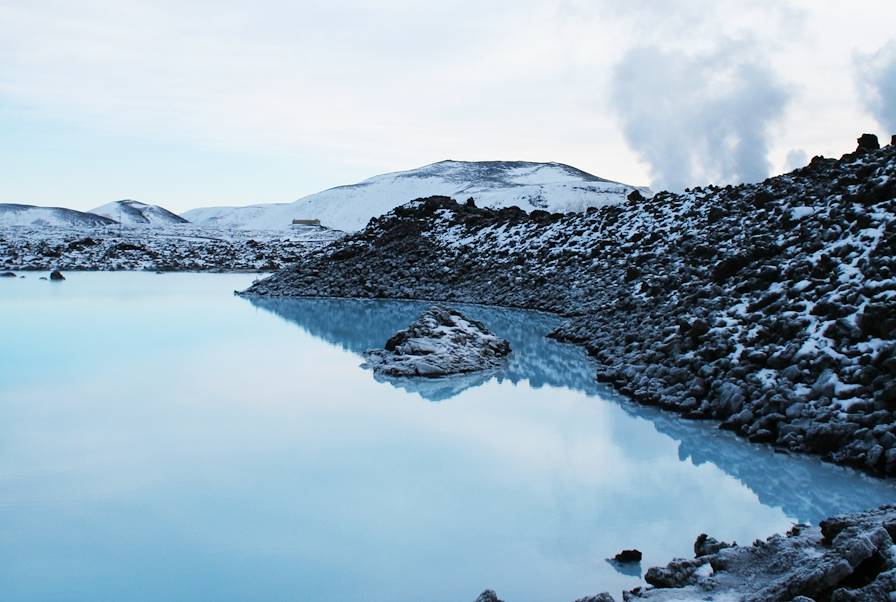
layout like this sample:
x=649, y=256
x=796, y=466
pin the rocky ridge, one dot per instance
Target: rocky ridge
x=770, y=307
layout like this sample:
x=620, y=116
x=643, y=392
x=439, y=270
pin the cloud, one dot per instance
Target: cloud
x=796, y=158
x=698, y=118
x=877, y=81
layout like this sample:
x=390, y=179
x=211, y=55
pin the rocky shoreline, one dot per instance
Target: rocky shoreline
x=770, y=307
x=847, y=558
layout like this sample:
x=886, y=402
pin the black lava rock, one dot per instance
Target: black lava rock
x=627, y=556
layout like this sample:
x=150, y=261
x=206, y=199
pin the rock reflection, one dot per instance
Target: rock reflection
x=805, y=488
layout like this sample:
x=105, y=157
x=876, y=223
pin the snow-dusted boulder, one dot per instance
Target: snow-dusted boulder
x=442, y=341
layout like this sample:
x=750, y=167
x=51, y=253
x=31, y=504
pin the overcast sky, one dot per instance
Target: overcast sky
x=192, y=103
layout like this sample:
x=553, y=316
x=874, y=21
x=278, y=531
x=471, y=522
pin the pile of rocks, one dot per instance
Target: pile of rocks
x=770, y=307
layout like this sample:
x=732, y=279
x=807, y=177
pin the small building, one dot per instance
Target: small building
x=306, y=222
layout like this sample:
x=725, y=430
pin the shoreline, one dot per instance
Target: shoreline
x=717, y=303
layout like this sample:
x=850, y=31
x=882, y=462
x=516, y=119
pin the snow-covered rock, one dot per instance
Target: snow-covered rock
x=440, y=342
x=12, y=214
x=553, y=187
x=135, y=213
x=846, y=558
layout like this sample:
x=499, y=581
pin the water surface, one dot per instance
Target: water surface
x=161, y=439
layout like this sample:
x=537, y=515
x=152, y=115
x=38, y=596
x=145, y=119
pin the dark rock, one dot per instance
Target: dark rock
x=706, y=545
x=7, y=275
x=678, y=573
x=867, y=142
x=628, y=556
x=488, y=596
x=635, y=196
x=56, y=275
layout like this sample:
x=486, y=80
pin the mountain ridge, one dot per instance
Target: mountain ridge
x=552, y=186
x=18, y=214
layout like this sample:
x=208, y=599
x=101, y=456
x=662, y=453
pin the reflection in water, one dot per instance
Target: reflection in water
x=359, y=324
x=631, y=569
x=804, y=487
x=159, y=422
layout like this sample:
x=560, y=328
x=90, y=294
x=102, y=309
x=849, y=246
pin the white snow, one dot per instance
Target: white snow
x=135, y=213
x=801, y=212
x=553, y=187
x=40, y=217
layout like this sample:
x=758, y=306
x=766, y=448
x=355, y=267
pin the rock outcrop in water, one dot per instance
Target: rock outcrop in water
x=770, y=307
x=440, y=342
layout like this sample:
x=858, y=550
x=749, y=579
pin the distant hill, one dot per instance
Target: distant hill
x=135, y=213
x=13, y=214
x=554, y=187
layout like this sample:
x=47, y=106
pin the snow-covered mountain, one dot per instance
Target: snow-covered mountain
x=553, y=187
x=135, y=213
x=13, y=214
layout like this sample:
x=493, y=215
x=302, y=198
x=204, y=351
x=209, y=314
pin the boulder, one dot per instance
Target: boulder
x=628, y=556
x=8, y=275
x=706, y=545
x=56, y=275
x=488, y=596
x=867, y=142
x=440, y=342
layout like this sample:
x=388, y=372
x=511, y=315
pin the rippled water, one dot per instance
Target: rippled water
x=161, y=439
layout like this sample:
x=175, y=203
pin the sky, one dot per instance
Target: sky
x=224, y=102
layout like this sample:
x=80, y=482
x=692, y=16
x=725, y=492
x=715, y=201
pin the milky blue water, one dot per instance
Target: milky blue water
x=161, y=439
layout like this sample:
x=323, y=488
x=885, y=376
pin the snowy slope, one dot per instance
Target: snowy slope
x=135, y=213
x=553, y=187
x=12, y=214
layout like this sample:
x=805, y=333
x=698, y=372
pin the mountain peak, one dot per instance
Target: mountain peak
x=137, y=213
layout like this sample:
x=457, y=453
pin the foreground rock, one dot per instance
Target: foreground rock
x=847, y=558
x=56, y=275
x=770, y=307
x=441, y=342
x=7, y=275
